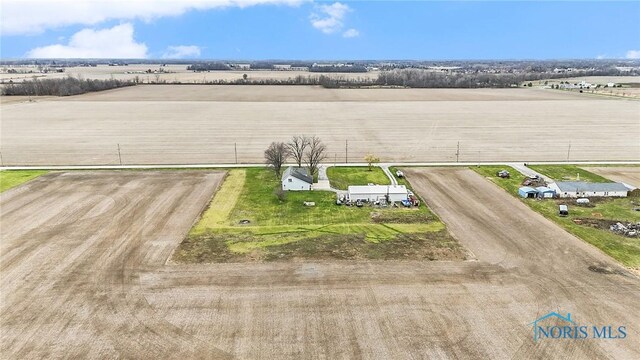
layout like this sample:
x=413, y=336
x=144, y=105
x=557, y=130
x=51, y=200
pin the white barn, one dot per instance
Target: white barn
x=296, y=179
x=391, y=193
x=574, y=189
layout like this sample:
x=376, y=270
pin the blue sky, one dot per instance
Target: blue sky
x=298, y=29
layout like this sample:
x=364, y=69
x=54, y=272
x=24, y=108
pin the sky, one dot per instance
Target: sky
x=319, y=30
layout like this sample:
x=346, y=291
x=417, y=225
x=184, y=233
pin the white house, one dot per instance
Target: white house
x=296, y=179
x=574, y=189
x=390, y=193
x=282, y=67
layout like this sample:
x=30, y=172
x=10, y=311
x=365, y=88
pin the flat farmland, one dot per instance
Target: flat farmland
x=202, y=124
x=88, y=278
x=177, y=73
x=627, y=174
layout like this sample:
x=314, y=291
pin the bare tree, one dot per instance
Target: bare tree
x=297, y=146
x=315, y=155
x=276, y=155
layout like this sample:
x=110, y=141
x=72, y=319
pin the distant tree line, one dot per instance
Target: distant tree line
x=62, y=87
x=418, y=78
x=339, y=69
x=209, y=66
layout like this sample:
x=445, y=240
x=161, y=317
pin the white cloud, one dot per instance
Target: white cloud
x=181, y=52
x=35, y=16
x=351, y=33
x=114, y=43
x=331, y=17
x=633, y=54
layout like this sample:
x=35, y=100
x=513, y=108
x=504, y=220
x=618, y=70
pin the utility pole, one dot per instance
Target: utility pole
x=569, y=151
x=346, y=151
x=458, y=152
x=235, y=150
x=119, y=155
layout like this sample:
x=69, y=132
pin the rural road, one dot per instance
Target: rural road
x=85, y=275
x=245, y=165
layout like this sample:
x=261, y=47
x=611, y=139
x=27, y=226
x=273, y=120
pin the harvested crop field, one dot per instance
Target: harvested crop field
x=172, y=73
x=87, y=277
x=627, y=174
x=157, y=125
x=254, y=93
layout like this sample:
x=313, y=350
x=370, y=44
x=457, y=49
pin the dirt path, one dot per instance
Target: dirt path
x=82, y=259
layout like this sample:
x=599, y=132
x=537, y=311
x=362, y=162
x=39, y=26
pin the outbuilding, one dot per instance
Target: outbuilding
x=545, y=192
x=575, y=189
x=527, y=192
x=389, y=193
x=296, y=179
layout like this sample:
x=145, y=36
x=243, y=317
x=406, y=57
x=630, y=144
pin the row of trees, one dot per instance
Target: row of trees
x=309, y=150
x=418, y=78
x=62, y=87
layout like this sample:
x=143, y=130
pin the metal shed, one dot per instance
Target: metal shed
x=527, y=192
x=545, y=192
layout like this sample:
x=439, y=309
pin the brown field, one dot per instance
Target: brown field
x=84, y=275
x=201, y=124
x=627, y=175
x=178, y=73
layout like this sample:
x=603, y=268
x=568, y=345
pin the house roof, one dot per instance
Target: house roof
x=554, y=314
x=528, y=189
x=575, y=186
x=544, y=189
x=298, y=173
x=377, y=189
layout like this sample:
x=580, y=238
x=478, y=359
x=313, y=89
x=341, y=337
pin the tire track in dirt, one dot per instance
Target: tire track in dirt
x=552, y=264
x=87, y=277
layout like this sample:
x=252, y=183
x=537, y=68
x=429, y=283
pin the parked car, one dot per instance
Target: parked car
x=503, y=174
x=563, y=210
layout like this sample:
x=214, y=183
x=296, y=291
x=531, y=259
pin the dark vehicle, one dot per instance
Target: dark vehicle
x=563, y=210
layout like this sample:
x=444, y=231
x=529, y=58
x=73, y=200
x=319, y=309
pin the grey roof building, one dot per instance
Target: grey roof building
x=298, y=173
x=580, y=186
x=587, y=189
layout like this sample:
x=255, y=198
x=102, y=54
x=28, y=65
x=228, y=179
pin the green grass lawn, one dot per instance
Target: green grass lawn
x=567, y=173
x=280, y=230
x=625, y=250
x=402, y=180
x=342, y=177
x=12, y=178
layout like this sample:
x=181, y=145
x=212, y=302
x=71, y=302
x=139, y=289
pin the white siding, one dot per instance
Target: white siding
x=377, y=192
x=291, y=183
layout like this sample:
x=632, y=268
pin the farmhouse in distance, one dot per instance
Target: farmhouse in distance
x=296, y=179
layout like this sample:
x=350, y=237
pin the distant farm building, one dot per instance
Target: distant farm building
x=389, y=193
x=545, y=192
x=241, y=66
x=296, y=179
x=575, y=189
x=282, y=67
x=527, y=192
